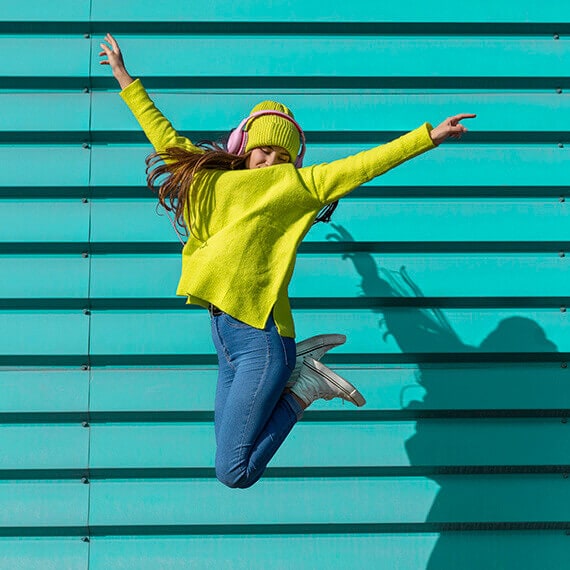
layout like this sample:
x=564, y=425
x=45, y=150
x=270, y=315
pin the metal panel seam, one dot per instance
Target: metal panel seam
x=89, y=198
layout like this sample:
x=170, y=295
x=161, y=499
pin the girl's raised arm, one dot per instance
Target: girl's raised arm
x=155, y=125
x=115, y=60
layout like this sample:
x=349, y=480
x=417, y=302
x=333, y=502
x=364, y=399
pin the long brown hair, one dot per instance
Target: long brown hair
x=180, y=166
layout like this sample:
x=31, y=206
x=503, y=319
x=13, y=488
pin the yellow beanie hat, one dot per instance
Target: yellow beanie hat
x=272, y=130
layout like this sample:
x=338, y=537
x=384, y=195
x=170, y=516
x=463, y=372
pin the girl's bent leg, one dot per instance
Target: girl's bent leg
x=257, y=416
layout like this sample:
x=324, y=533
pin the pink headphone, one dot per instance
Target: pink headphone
x=238, y=138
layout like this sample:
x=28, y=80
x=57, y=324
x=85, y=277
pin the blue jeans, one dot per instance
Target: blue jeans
x=252, y=414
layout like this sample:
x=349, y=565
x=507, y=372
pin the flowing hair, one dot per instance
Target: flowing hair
x=179, y=167
x=171, y=173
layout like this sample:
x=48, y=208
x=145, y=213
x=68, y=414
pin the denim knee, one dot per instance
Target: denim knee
x=233, y=478
x=236, y=475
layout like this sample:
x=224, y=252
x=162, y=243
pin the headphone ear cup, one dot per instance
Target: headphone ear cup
x=235, y=141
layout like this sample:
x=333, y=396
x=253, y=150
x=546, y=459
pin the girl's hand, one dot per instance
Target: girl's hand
x=115, y=60
x=451, y=127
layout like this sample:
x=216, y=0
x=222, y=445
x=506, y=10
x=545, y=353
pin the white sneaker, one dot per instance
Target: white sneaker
x=314, y=347
x=317, y=381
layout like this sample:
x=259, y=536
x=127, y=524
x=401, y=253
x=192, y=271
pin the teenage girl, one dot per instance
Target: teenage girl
x=246, y=208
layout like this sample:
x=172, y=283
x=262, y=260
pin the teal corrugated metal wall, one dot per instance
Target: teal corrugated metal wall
x=449, y=276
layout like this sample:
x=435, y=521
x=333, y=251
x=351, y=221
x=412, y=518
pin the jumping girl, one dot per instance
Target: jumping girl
x=246, y=209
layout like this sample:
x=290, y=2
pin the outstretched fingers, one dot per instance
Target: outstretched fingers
x=456, y=129
x=109, y=38
x=450, y=128
x=110, y=49
x=455, y=120
x=105, y=52
x=461, y=116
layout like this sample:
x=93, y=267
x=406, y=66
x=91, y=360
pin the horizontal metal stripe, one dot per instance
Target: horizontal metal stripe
x=97, y=360
x=427, y=443
x=89, y=475
x=47, y=530
x=403, y=27
x=61, y=57
x=368, y=117
x=83, y=82
x=274, y=529
x=388, y=220
x=363, y=220
x=476, y=165
x=73, y=417
x=443, y=280
x=511, y=499
x=32, y=137
x=325, y=528
x=351, y=117
x=87, y=418
x=216, y=12
x=312, y=11
x=56, y=391
x=325, y=81
x=101, y=360
x=54, y=166
x=531, y=550
x=67, y=553
x=348, y=137
x=306, y=56
x=42, y=504
x=405, y=392
x=505, y=137
x=41, y=360
x=559, y=192
x=53, y=248
x=115, y=167
x=260, y=82
x=316, y=247
x=301, y=303
x=47, y=333
x=44, y=113
x=391, y=331
x=514, y=59
x=36, y=10
x=55, y=474
x=360, y=279
x=426, y=390
x=44, y=447
x=41, y=220
x=53, y=82
x=65, y=279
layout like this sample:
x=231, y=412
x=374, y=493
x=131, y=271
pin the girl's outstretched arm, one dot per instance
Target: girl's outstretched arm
x=115, y=60
x=331, y=181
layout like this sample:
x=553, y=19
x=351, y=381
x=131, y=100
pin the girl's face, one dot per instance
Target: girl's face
x=267, y=156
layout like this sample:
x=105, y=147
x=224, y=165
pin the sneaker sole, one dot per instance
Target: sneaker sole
x=308, y=345
x=315, y=347
x=351, y=393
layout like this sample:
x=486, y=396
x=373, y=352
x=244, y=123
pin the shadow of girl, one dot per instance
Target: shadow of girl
x=455, y=438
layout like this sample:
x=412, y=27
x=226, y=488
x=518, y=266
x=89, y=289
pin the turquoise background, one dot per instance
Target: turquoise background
x=449, y=275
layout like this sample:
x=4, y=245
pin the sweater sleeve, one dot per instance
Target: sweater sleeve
x=331, y=181
x=155, y=125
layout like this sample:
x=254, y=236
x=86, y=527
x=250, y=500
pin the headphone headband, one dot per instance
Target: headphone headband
x=237, y=141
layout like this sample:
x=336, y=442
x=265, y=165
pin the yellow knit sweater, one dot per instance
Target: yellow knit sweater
x=247, y=224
